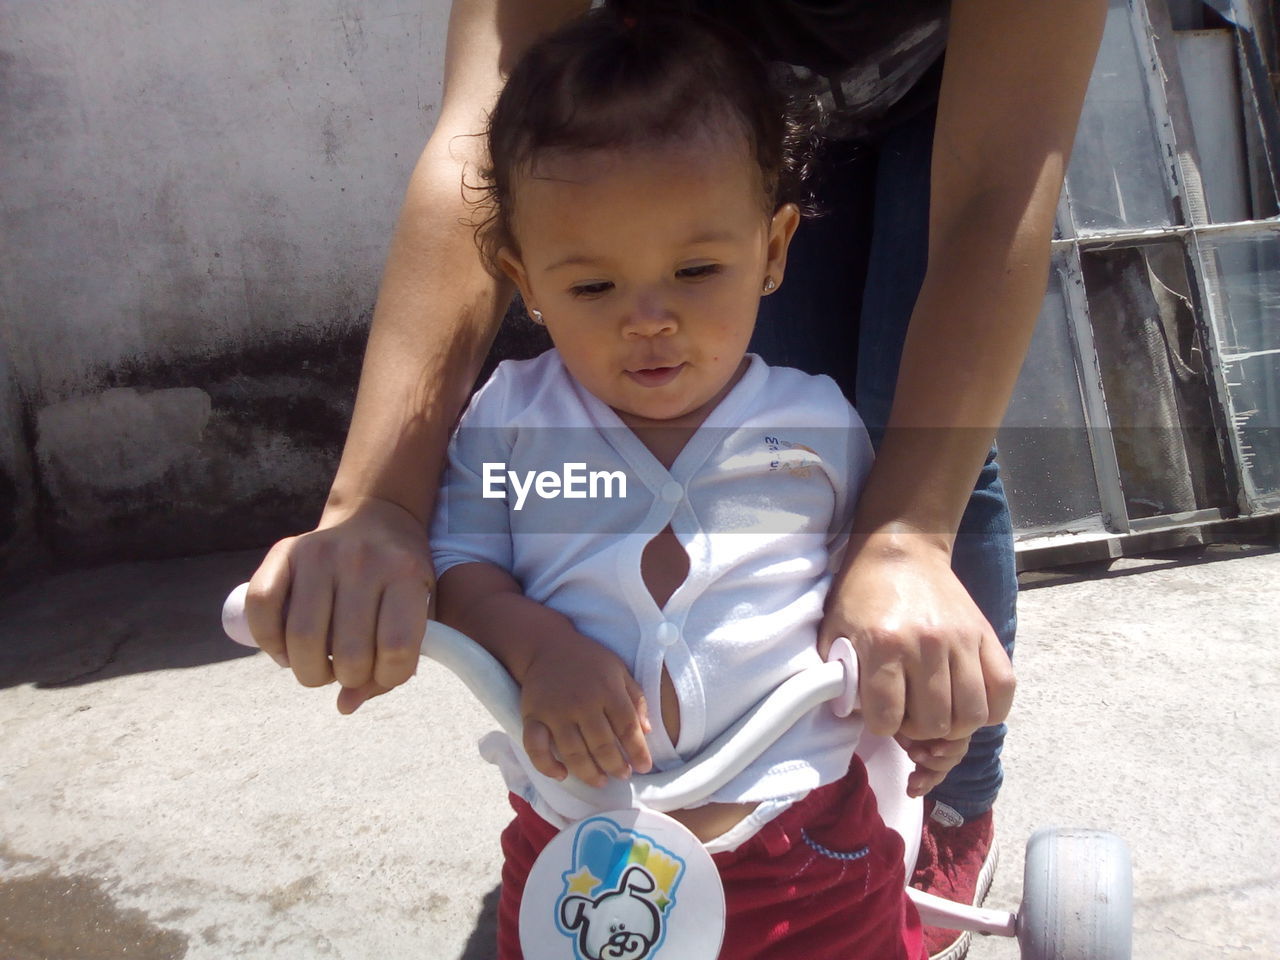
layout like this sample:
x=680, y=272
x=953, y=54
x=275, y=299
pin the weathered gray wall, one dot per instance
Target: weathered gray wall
x=195, y=208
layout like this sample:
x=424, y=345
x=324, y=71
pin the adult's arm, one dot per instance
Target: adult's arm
x=1012, y=90
x=358, y=585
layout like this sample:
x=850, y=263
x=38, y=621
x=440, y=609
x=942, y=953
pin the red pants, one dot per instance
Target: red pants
x=823, y=881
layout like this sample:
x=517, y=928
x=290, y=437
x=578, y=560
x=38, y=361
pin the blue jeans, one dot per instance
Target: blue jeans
x=851, y=283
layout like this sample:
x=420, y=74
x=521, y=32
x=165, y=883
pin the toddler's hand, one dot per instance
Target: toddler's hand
x=583, y=713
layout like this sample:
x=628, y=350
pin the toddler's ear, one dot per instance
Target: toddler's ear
x=509, y=263
x=781, y=229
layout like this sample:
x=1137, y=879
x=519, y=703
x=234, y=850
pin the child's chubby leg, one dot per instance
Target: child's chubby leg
x=522, y=841
x=824, y=881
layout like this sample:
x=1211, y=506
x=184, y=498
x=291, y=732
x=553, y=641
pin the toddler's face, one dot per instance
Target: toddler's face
x=648, y=267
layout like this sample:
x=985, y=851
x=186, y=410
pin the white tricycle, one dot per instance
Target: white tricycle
x=630, y=883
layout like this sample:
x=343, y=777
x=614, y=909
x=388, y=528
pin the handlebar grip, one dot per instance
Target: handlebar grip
x=234, y=622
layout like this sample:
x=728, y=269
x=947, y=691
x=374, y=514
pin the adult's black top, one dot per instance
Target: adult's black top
x=869, y=62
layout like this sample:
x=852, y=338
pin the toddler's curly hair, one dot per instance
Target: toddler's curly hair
x=608, y=80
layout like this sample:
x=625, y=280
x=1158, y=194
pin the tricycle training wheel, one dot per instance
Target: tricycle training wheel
x=1077, y=897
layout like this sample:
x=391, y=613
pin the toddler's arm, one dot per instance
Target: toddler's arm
x=583, y=711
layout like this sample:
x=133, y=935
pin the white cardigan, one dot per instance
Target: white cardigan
x=760, y=498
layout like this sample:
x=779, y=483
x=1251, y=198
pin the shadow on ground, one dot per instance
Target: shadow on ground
x=70, y=629
x=483, y=942
x=1145, y=563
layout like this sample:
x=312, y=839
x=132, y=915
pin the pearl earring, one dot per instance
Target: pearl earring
x=536, y=317
x=770, y=285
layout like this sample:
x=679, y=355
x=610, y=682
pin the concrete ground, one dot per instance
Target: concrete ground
x=165, y=793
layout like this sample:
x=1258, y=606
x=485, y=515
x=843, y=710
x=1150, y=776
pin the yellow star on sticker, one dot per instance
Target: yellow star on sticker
x=584, y=881
x=663, y=870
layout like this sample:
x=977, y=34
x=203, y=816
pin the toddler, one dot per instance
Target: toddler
x=641, y=524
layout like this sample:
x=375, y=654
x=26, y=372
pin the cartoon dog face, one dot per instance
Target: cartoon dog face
x=619, y=925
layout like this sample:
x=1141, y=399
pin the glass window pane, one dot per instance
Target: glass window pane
x=1249, y=348
x=1155, y=378
x=1044, y=446
x=1116, y=178
x=1208, y=62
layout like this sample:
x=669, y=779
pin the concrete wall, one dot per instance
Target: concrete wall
x=196, y=204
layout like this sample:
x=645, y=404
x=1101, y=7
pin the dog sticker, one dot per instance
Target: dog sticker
x=619, y=894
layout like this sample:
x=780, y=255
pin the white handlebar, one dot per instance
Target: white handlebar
x=234, y=623
x=722, y=760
